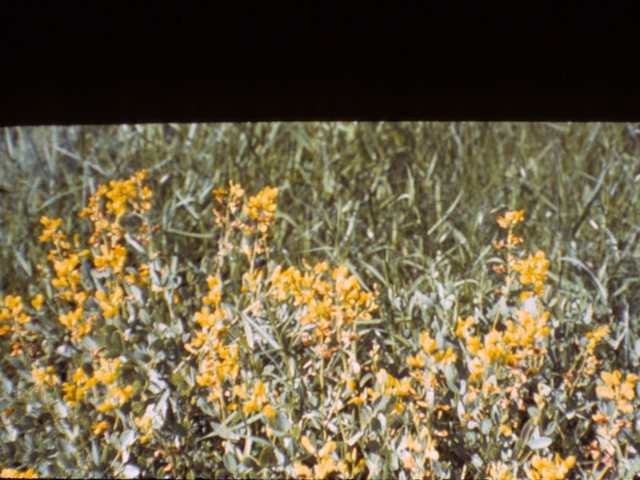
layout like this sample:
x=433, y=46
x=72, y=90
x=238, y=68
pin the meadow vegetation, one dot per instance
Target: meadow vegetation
x=330, y=300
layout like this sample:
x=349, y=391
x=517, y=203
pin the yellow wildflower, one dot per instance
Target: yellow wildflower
x=511, y=218
x=428, y=344
x=38, y=301
x=546, y=469
x=106, y=405
x=98, y=428
x=306, y=443
x=412, y=444
x=431, y=452
x=329, y=447
x=302, y=470
x=324, y=467
x=612, y=379
x=462, y=329
x=445, y=358
x=269, y=411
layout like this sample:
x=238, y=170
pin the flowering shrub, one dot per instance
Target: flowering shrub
x=285, y=371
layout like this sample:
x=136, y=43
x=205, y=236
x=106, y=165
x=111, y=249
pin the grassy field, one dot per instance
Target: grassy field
x=354, y=308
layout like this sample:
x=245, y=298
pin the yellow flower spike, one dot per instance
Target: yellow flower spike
x=477, y=369
x=627, y=390
x=141, y=175
x=343, y=468
x=409, y=462
x=320, y=268
x=624, y=406
x=70, y=319
x=510, y=218
x=250, y=406
x=547, y=469
x=499, y=471
x=79, y=376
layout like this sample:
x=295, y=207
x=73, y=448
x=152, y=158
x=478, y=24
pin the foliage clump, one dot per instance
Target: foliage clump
x=121, y=366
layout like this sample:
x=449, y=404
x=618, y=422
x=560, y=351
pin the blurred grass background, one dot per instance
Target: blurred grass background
x=397, y=201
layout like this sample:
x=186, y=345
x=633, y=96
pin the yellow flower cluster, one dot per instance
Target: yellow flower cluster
x=500, y=471
x=595, y=337
x=12, y=473
x=533, y=270
x=51, y=232
x=42, y=376
x=106, y=374
x=261, y=208
x=613, y=389
x=325, y=463
x=393, y=386
x=113, y=258
x=500, y=346
x=146, y=425
x=66, y=265
x=546, y=469
x=118, y=195
x=13, y=313
x=220, y=361
x=415, y=447
x=511, y=218
x=258, y=401
x=112, y=255
x=328, y=308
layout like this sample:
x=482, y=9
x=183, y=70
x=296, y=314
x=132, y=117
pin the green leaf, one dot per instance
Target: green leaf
x=538, y=443
x=141, y=357
x=131, y=471
x=485, y=427
x=267, y=457
x=260, y=330
x=145, y=317
x=95, y=452
x=353, y=439
x=247, y=331
x=116, y=342
x=230, y=463
x=127, y=438
x=448, y=212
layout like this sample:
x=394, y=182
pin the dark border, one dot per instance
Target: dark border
x=114, y=63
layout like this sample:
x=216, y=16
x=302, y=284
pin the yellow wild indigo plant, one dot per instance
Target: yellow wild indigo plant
x=286, y=371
